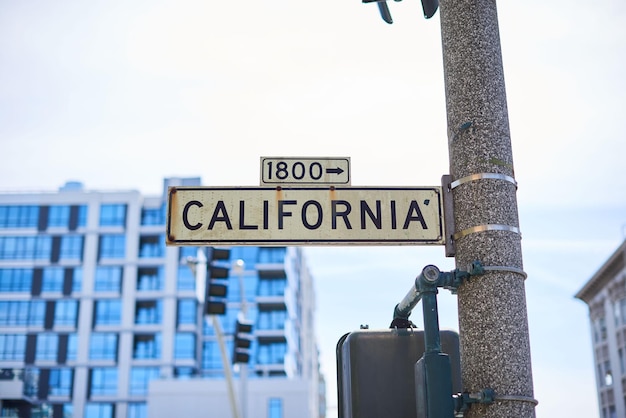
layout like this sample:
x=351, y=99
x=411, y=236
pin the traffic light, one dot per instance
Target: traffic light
x=216, y=282
x=379, y=374
x=243, y=341
x=428, y=6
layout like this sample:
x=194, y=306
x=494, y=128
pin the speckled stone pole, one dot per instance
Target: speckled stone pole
x=493, y=322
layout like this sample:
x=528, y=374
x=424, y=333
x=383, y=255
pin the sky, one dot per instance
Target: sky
x=119, y=95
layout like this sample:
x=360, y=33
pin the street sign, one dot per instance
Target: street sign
x=305, y=171
x=305, y=216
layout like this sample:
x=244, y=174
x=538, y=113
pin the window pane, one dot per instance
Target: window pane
x=187, y=311
x=103, y=346
x=60, y=382
x=12, y=347
x=147, y=346
x=72, y=346
x=153, y=216
x=16, y=280
x=148, y=312
x=275, y=408
x=108, y=279
x=150, y=278
x=71, y=247
x=53, y=278
x=58, y=215
x=99, y=410
x=108, y=312
x=65, y=313
x=137, y=410
x=47, y=347
x=139, y=378
x=16, y=216
x=151, y=246
x=184, y=346
x=103, y=381
x=186, y=280
x=113, y=215
x=112, y=246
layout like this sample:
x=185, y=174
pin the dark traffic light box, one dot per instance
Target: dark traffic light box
x=376, y=371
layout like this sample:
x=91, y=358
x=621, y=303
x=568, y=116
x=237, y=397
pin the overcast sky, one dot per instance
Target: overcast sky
x=120, y=94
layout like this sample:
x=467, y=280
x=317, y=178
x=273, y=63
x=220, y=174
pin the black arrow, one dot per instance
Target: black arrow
x=337, y=170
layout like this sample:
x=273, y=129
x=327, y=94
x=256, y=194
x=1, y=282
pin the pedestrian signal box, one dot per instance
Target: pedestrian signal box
x=376, y=374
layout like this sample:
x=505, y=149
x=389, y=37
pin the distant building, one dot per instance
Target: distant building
x=99, y=319
x=605, y=294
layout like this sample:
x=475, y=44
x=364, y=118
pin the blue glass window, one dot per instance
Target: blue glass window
x=60, y=382
x=82, y=216
x=211, y=356
x=103, y=346
x=53, y=278
x=250, y=287
x=99, y=410
x=112, y=246
x=37, y=313
x=72, y=346
x=14, y=313
x=16, y=280
x=272, y=254
x=47, y=347
x=275, y=408
x=274, y=319
x=113, y=215
x=184, y=346
x=77, y=279
x=150, y=278
x=108, y=312
x=21, y=313
x=153, y=216
x=25, y=248
x=185, y=280
x=103, y=381
x=187, y=311
x=108, y=279
x=12, y=347
x=151, y=246
x=66, y=313
x=137, y=410
x=147, y=346
x=271, y=287
x=58, y=215
x=272, y=353
x=71, y=247
x=19, y=216
x=139, y=378
x=148, y=312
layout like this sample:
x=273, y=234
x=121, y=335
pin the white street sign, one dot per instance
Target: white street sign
x=305, y=171
x=305, y=216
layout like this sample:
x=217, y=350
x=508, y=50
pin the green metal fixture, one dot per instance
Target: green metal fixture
x=433, y=376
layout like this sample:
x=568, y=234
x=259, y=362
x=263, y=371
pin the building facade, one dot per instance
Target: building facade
x=95, y=310
x=605, y=294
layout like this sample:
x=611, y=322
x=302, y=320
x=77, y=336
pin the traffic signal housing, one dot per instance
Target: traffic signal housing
x=376, y=372
x=243, y=342
x=216, y=289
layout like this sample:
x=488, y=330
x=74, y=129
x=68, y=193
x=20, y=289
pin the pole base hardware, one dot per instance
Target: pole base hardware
x=463, y=401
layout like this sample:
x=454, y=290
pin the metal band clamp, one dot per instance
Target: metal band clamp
x=483, y=228
x=480, y=176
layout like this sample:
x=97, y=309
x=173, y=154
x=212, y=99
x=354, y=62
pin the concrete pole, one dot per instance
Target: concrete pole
x=493, y=322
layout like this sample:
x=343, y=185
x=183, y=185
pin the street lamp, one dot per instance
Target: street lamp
x=201, y=282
